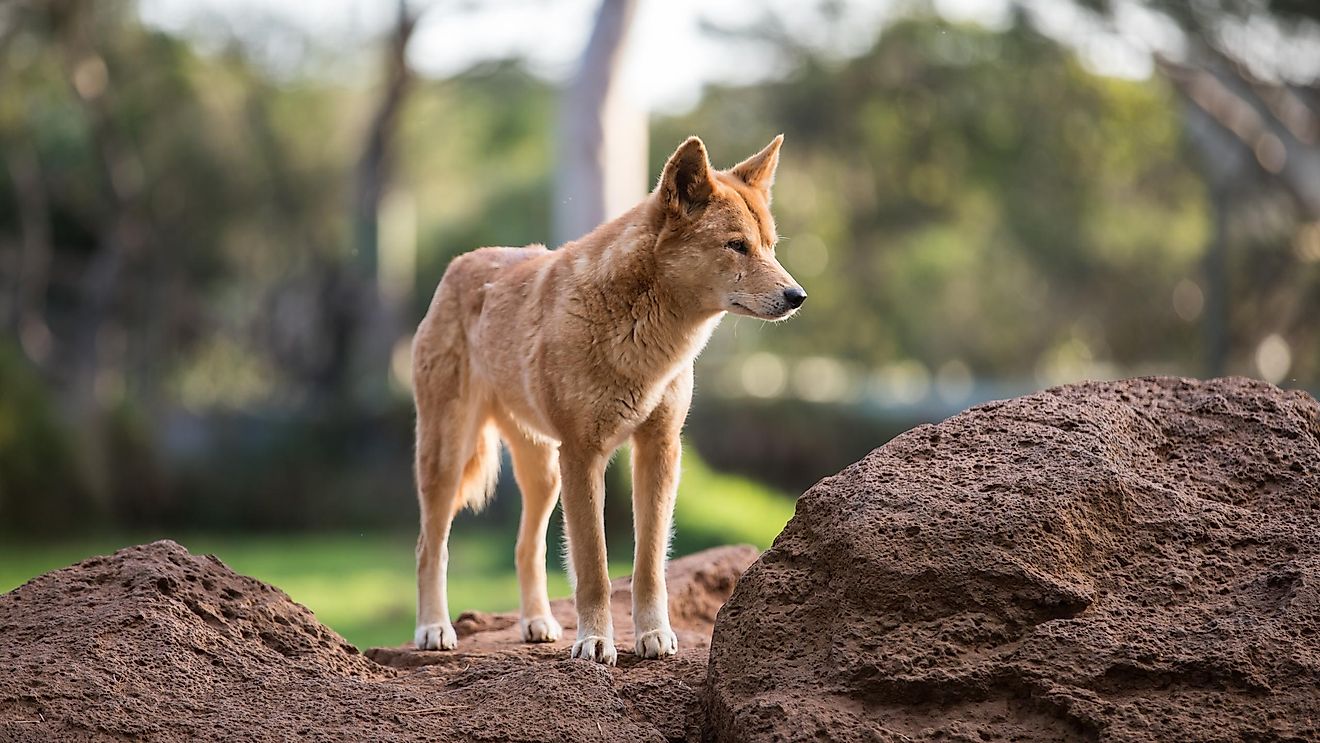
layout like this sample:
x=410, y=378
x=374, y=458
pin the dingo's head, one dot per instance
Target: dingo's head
x=719, y=237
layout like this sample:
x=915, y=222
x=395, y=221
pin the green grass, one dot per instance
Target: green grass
x=715, y=508
x=362, y=585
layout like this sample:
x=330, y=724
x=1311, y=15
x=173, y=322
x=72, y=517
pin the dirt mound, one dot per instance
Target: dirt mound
x=156, y=644
x=1126, y=561
x=666, y=695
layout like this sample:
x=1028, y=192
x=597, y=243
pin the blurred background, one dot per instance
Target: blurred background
x=220, y=221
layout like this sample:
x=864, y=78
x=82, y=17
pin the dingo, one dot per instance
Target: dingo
x=566, y=354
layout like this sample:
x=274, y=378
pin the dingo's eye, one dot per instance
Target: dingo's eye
x=738, y=246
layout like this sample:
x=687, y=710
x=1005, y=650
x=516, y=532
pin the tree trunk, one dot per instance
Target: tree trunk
x=376, y=326
x=602, y=139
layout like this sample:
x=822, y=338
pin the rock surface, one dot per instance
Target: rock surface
x=1123, y=561
x=156, y=644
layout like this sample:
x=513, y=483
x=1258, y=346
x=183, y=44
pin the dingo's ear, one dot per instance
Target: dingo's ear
x=758, y=171
x=686, y=182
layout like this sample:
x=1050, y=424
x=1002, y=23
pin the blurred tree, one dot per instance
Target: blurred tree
x=602, y=139
x=1253, y=114
x=36, y=450
x=61, y=56
x=1206, y=19
x=378, y=323
x=152, y=202
x=26, y=312
x=960, y=195
x=179, y=244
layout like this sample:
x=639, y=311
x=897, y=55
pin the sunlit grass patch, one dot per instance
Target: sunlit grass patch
x=715, y=508
x=362, y=585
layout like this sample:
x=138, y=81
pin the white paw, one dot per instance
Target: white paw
x=435, y=637
x=658, y=643
x=597, y=648
x=540, y=629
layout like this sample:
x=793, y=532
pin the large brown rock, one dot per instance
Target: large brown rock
x=156, y=644
x=1125, y=561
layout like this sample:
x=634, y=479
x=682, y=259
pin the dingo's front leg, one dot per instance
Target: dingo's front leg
x=655, y=464
x=584, y=520
x=655, y=460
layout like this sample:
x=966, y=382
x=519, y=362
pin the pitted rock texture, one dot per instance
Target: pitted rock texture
x=1119, y=561
x=153, y=643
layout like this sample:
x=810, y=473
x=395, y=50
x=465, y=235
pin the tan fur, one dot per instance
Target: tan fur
x=569, y=353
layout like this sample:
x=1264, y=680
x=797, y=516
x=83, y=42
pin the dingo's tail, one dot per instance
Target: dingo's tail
x=482, y=470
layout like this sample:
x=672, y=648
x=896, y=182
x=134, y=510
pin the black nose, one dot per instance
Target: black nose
x=795, y=296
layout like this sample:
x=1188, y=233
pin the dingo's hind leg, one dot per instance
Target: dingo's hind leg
x=457, y=461
x=442, y=437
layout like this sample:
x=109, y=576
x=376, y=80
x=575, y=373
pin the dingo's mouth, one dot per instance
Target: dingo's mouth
x=739, y=308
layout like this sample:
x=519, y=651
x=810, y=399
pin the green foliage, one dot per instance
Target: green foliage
x=39, y=471
x=951, y=194
x=975, y=195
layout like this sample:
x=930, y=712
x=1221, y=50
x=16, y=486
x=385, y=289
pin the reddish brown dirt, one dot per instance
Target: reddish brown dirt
x=1125, y=561
x=156, y=644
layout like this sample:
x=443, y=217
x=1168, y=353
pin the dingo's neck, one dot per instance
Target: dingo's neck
x=652, y=322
